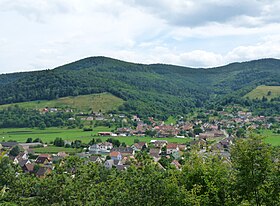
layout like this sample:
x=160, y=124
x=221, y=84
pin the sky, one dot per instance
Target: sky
x=44, y=34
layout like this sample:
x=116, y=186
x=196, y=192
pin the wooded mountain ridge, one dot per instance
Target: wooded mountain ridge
x=155, y=90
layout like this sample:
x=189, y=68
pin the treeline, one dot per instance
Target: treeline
x=18, y=117
x=252, y=177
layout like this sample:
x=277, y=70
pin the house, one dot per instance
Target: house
x=104, y=133
x=109, y=164
x=20, y=157
x=122, y=167
x=206, y=135
x=115, y=155
x=106, y=146
x=182, y=147
x=171, y=147
x=21, y=163
x=139, y=146
x=43, y=159
x=124, y=131
x=28, y=168
x=155, y=153
x=101, y=148
x=62, y=154
x=95, y=159
x=159, y=143
x=125, y=151
x=58, y=157
x=43, y=172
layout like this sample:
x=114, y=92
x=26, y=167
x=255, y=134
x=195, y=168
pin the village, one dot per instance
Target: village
x=202, y=134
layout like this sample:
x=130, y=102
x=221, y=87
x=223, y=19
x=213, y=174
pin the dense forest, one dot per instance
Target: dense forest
x=149, y=90
x=252, y=177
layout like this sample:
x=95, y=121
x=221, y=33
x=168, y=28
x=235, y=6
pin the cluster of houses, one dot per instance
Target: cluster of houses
x=121, y=157
x=39, y=165
x=211, y=136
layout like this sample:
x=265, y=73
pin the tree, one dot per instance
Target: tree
x=29, y=140
x=136, y=140
x=42, y=126
x=15, y=151
x=98, y=140
x=268, y=93
x=37, y=140
x=252, y=164
x=59, y=142
x=91, y=142
x=77, y=144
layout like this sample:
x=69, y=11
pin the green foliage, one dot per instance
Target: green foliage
x=115, y=142
x=59, y=142
x=15, y=151
x=29, y=140
x=15, y=116
x=251, y=178
x=253, y=164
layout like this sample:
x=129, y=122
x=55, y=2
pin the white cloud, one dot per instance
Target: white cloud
x=41, y=34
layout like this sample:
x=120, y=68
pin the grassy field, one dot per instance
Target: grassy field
x=54, y=149
x=262, y=91
x=270, y=137
x=49, y=134
x=94, y=102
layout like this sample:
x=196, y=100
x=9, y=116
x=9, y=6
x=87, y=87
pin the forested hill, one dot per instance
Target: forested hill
x=155, y=89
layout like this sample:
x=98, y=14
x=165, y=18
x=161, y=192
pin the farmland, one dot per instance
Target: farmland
x=50, y=134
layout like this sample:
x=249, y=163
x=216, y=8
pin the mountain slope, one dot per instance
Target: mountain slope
x=157, y=89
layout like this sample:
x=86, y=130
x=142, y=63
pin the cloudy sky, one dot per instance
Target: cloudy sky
x=40, y=34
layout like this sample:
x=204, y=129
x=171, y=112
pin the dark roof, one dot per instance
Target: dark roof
x=94, y=158
x=8, y=144
x=122, y=167
x=41, y=160
x=116, y=162
x=123, y=149
x=22, y=162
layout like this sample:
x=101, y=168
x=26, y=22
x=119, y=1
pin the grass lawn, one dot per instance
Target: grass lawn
x=270, y=137
x=262, y=91
x=54, y=149
x=49, y=134
x=94, y=102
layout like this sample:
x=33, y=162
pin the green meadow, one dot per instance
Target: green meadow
x=270, y=137
x=262, y=91
x=95, y=102
x=49, y=134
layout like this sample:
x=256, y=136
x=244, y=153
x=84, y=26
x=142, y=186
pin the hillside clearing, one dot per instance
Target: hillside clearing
x=263, y=91
x=103, y=102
